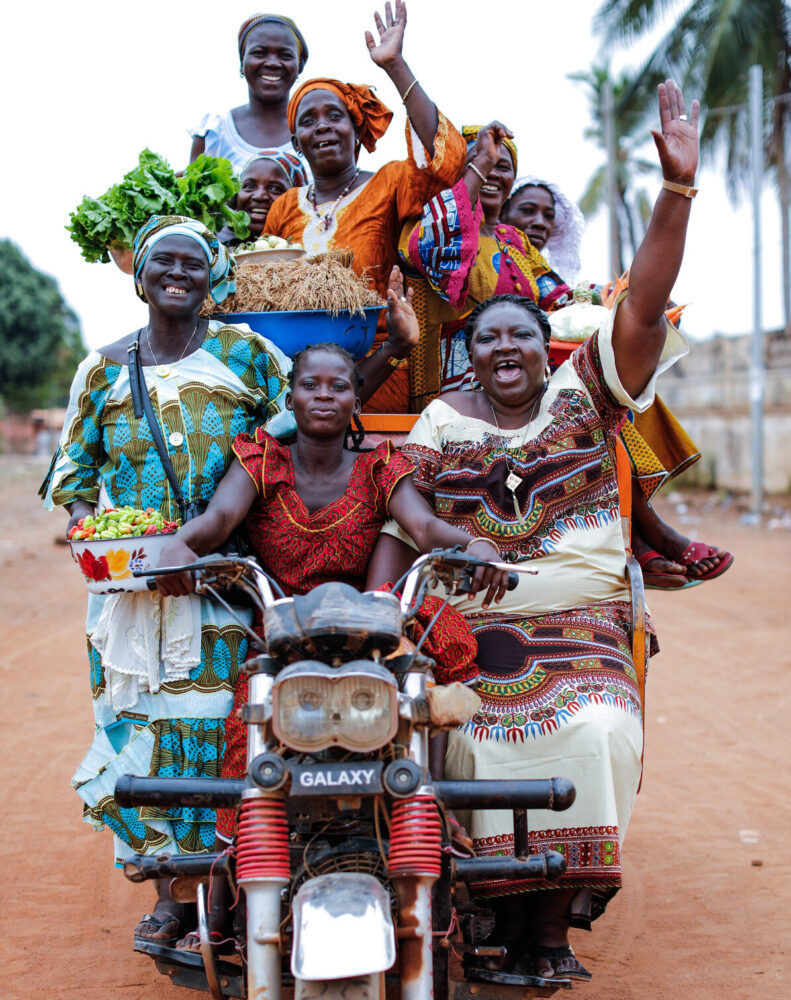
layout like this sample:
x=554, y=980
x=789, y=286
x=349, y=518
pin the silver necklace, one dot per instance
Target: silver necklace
x=513, y=482
x=326, y=220
x=165, y=370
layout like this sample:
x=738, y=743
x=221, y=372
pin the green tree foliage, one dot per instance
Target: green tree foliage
x=40, y=339
x=709, y=46
x=633, y=205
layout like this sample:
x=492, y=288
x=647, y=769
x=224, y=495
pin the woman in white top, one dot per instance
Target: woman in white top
x=272, y=54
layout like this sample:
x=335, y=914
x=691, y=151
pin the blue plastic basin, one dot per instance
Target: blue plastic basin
x=294, y=330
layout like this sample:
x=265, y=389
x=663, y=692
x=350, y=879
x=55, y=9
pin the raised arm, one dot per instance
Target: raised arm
x=388, y=54
x=232, y=499
x=639, y=329
x=403, y=332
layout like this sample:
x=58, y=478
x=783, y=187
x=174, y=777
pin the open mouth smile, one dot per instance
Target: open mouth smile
x=508, y=370
x=173, y=290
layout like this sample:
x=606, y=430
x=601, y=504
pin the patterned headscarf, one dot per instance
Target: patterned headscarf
x=470, y=135
x=291, y=165
x=563, y=246
x=285, y=22
x=369, y=115
x=221, y=263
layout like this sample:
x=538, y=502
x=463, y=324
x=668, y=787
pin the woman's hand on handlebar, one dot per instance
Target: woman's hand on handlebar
x=176, y=553
x=487, y=578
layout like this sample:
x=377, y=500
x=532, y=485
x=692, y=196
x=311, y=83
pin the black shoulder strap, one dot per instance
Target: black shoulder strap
x=141, y=402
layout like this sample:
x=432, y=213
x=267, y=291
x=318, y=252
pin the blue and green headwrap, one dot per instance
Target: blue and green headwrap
x=221, y=263
x=285, y=22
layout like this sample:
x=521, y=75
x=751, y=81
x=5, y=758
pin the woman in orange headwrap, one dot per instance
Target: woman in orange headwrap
x=349, y=208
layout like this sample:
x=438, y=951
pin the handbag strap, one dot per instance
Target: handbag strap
x=141, y=403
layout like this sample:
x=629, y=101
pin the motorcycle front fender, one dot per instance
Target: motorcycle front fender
x=342, y=927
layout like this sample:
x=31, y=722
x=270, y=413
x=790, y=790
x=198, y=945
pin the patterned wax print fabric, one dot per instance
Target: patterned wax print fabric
x=560, y=692
x=232, y=383
x=302, y=550
x=368, y=221
x=223, y=139
x=452, y=268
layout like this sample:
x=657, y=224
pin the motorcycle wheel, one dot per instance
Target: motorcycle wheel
x=371, y=987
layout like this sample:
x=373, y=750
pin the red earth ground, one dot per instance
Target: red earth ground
x=706, y=907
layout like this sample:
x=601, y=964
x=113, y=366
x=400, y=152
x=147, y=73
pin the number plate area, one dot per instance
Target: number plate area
x=355, y=778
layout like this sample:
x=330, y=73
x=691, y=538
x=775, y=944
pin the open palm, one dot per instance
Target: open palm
x=677, y=144
x=391, y=35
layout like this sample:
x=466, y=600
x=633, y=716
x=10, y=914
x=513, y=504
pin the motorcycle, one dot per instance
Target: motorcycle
x=343, y=865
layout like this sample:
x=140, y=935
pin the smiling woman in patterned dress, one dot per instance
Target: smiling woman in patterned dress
x=208, y=382
x=529, y=463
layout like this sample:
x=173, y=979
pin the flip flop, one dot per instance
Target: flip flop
x=696, y=551
x=664, y=581
x=223, y=946
x=563, y=961
x=159, y=923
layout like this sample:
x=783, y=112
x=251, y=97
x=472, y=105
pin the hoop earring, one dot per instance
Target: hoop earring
x=547, y=374
x=476, y=385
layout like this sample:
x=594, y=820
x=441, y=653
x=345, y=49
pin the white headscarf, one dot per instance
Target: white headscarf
x=562, y=249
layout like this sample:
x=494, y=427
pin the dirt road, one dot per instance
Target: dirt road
x=702, y=915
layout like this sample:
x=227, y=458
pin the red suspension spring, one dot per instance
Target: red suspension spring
x=415, y=837
x=262, y=840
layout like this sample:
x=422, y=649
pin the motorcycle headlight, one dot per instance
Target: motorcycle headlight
x=354, y=706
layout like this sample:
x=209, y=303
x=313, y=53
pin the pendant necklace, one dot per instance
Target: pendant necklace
x=326, y=220
x=513, y=482
x=163, y=371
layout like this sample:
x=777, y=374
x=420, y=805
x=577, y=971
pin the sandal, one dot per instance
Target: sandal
x=159, y=923
x=664, y=581
x=564, y=962
x=696, y=551
x=222, y=946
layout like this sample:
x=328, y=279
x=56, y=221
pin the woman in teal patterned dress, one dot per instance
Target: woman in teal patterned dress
x=207, y=382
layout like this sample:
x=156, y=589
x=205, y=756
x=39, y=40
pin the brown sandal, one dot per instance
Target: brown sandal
x=564, y=962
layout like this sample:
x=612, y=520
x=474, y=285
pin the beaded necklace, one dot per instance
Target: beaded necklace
x=326, y=220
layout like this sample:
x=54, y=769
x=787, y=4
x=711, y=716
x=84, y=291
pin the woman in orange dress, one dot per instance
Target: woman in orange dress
x=349, y=208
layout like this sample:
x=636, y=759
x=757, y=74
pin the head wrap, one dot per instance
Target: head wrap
x=563, y=246
x=289, y=163
x=470, y=135
x=369, y=115
x=221, y=263
x=285, y=22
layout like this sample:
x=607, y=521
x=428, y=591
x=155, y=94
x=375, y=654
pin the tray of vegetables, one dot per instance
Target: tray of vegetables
x=267, y=249
x=105, y=226
x=109, y=546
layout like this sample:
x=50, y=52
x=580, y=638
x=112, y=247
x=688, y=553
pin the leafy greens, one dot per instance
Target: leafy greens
x=202, y=192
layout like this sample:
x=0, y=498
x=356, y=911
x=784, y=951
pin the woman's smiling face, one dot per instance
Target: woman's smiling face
x=508, y=353
x=262, y=181
x=175, y=276
x=324, y=133
x=496, y=188
x=532, y=209
x=270, y=62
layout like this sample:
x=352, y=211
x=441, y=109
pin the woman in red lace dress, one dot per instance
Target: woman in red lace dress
x=313, y=510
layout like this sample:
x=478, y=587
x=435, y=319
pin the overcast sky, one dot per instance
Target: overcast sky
x=88, y=85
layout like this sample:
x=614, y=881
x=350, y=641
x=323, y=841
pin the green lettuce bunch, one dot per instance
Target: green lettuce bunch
x=202, y=192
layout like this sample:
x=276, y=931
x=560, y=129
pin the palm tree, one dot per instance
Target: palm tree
x=633, y=207
x=710, y=46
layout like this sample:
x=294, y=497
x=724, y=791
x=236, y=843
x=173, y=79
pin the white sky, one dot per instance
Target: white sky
x=87, y=85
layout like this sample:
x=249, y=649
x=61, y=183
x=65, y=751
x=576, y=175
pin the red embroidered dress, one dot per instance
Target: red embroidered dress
x=301, y=550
